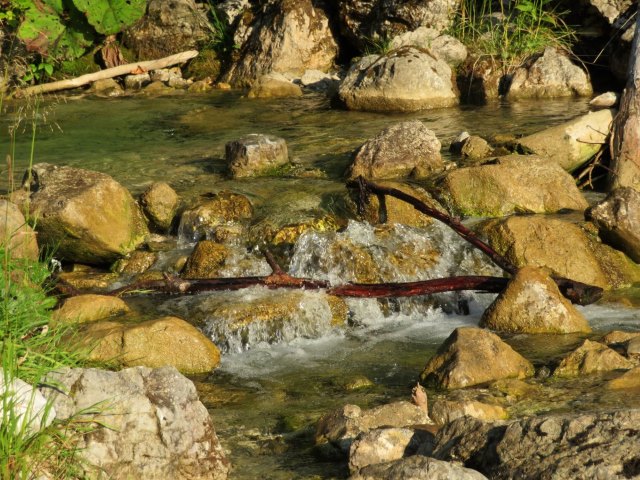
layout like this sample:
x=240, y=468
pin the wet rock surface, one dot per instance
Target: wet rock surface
x=89, y=308
x=255, y=154
x=160, y=204
x=591, y=357
x=153, y=425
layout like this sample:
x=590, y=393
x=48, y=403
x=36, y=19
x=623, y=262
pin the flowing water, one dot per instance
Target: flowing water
x=277, y=378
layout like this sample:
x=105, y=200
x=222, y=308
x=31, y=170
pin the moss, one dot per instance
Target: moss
x=76, y=68
x=206, y=64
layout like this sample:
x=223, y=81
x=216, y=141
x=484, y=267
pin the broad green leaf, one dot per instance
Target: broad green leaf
x=39, y=30
x=111, y=16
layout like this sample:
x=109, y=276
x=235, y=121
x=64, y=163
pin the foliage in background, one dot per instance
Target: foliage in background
x=509, y=32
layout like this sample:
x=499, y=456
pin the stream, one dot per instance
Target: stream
x=272, y=386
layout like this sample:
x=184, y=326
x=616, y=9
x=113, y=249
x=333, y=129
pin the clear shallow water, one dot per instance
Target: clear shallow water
x=264, y=400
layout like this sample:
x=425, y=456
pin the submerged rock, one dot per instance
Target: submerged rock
x=138, y=261
x=618, y=220
x=559, y=446
x=591, y=357
x=154, y=343
x=471, y=356
x=84, y=216
x=417, y=467
x=510, y=184
x=550, y=75
x=16, y=237
x=404, y=80
x=564, y=248
x=572, y=143
x=160, y=203
x=402, y=149
x=629, y=379
x=88, y=308
x=286, y=37
x=532, y=303
x=255, y=154
x=274, y=85
x=151, y=424
x=222, y=210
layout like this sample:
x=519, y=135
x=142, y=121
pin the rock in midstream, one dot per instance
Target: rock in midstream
x=591, y=357
x=255, y=154
x=160, y=203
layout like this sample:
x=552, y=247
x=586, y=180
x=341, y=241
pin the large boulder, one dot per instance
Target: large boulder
x=166, y=341
x=255, y=154
x=287, y=36
x=404, y=80
x=406, y=148
x=150, y=424
x=471, y=356
x=84, y=216
x=558, y=446
x=167, y=28
x=363, y=20
x=16, y=236
x=23, y=408
x=591, y=357
x=417, y=467
x=618, y=220
x=550, y=75
x=573, y=143
x=510, y=184
x=532, y=303
x=561, y=246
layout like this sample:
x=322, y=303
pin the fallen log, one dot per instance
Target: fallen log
x=126, y=69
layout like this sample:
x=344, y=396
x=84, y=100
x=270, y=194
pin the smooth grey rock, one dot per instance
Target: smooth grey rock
x=618, y=220
x=443, y=46
x=403, y=149
x=406, y=79
x=605, y=100
x=137, y=82
x=551, y=75
x=253, y=154
x=25, y=405
x=417, y=467
x=560, y=446
x=151, y=424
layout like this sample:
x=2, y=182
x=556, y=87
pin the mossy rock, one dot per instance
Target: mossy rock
x=206, y=260
x=206, y=64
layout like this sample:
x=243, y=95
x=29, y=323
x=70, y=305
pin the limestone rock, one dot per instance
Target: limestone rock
x=89, y=308
x=16, y=236
x=560, y=246
x=137, y=81
x=26, y=407
x=344, y=424
x=476, y=148
x=591, y=357
x=206, y=260
x=417, y=467
x=444, y=411
x=605, y=100
x=404, y=80
x=443, y=46
x=160, y=203
x=471, y=356
x=618, y=219
x=107, y=87
x=89, y=280
x=402, y=149
x=153, y=343
x=274, y=85
x=363, y=20
x=284, y=228
x=559, y=446
x=382, y=445
x=532, y=303
x=167, y=28
x=573, y=143
x=221, y=210
x=287, y=37
x=151, y=424
x=255, y=154
x=616, y=337
x=629, y=379
x=510, y=184
x=551, y=75
x=138, y=261
x=86, y=216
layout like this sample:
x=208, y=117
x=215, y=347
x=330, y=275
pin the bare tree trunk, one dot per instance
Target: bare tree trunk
x=625, y=141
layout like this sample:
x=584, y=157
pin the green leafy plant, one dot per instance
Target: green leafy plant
x=509, y=36
x=377, y=46
x=38, y=72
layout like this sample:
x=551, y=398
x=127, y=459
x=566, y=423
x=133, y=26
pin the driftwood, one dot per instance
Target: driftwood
x=129, y=68
x=577, y=292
